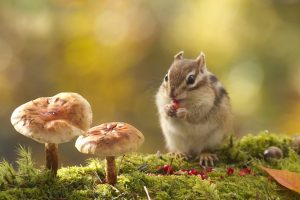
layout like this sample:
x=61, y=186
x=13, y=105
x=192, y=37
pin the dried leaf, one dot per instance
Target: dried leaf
x=290, y=180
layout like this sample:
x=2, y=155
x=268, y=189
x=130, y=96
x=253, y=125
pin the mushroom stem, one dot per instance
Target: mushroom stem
x=51, y=157
x=110, y=169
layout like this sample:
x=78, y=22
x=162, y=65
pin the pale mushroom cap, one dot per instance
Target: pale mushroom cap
x=56, y=119
x=110, y=139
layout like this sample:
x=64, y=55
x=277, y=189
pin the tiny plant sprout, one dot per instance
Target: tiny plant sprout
x=53, y=120
x=273, y=152
x=109, y=140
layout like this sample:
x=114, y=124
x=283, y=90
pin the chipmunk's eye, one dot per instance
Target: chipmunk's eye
x=190, y=80
x=166, y=78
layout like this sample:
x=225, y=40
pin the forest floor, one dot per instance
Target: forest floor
x=237, y=175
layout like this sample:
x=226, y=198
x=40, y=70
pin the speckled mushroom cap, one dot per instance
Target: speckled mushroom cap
x=110, y=139
x=56, y=119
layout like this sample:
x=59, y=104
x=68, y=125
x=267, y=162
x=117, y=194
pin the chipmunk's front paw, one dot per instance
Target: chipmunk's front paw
x=181, y=113
x=170, y=110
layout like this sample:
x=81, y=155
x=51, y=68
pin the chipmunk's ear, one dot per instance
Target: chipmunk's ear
x=179, y=55
x=201, y=61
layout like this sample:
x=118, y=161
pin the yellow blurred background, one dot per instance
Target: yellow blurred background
x=116, y=53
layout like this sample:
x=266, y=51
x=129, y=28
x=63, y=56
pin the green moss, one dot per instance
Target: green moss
x=137, y=171
x=250, y=147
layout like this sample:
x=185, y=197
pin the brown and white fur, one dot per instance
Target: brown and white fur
x=204, y=114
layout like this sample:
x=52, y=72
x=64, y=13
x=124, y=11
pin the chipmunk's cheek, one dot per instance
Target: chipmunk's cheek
x=181, y=97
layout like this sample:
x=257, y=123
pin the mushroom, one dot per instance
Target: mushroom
x=109, y=140
x=53, y=120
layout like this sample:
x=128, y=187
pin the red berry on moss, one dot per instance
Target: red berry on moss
x=168, y=168
x=202, y=175
x=193, y=172
x=230, y=171
x=244, y=171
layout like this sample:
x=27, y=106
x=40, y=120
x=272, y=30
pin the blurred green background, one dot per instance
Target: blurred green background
x=116, y=53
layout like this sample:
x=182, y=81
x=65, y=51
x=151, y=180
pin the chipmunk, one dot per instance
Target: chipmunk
x=194, y=109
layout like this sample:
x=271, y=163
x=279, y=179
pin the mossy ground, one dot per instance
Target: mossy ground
x=137, y=171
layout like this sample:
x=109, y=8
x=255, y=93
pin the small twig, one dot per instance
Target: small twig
x=143, y=167
x=118, y=197
x=159, y=155
x=120, y=164
x=147, y=193
x=95, y=172
x=170, y=165
x=115, y=188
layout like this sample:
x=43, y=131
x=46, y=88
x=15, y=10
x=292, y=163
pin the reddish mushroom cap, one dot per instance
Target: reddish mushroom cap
x=56, y=119
x=110, y=139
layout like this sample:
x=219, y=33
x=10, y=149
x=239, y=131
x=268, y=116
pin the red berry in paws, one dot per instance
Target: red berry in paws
x=175, y=104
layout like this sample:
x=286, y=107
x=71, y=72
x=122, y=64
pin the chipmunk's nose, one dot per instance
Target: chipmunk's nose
x=172, y=92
